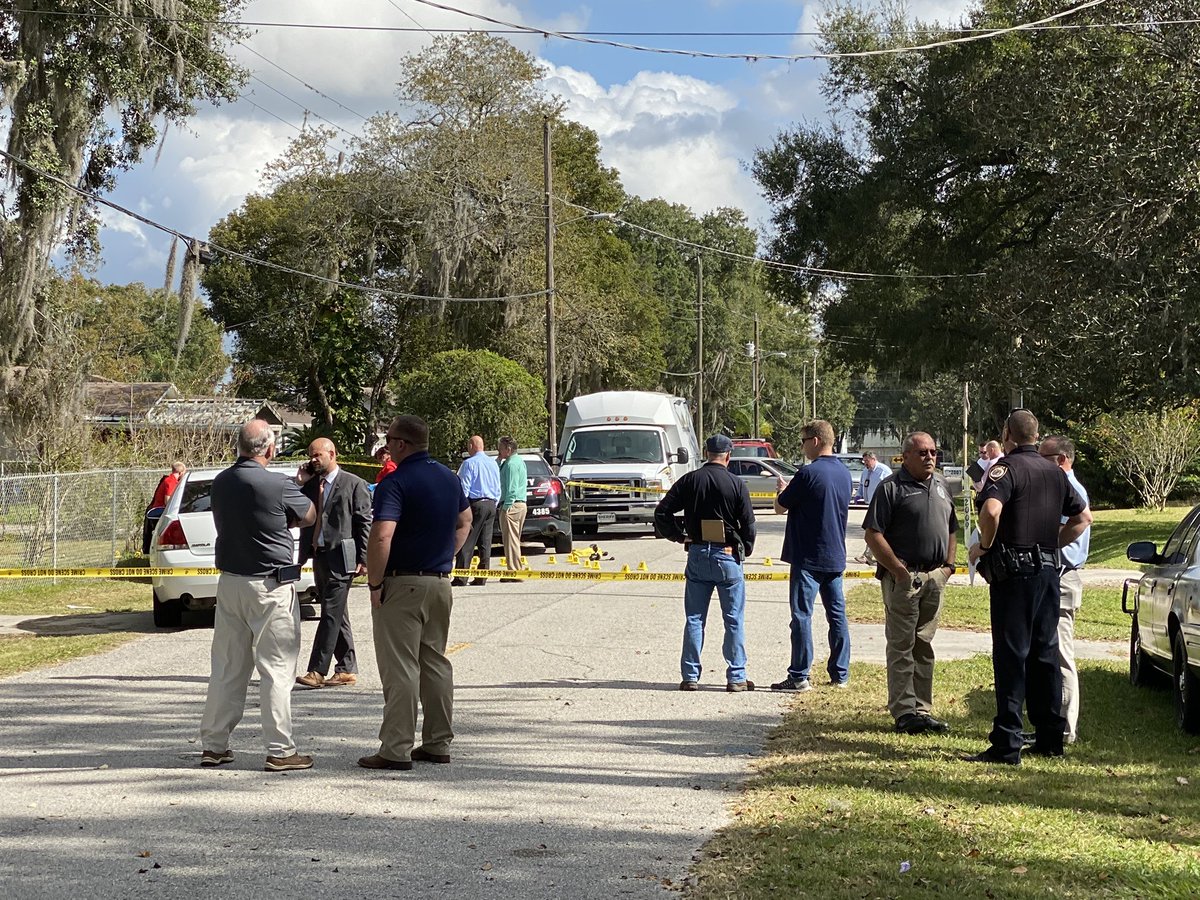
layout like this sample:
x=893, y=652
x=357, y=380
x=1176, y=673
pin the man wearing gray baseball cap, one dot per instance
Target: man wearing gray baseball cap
x=717, y=528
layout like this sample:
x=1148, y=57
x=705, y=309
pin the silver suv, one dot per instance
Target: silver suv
x=185, y=538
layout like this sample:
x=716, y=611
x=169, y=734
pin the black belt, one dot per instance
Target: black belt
x=396, y=573
x=481, y=499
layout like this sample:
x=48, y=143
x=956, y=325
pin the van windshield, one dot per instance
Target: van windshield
x=616, y=445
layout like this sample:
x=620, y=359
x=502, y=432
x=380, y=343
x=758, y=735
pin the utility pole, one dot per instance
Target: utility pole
x=966, y=482
x=551, y=362
x=754, y=369
x=699, y=347
x=814, y=384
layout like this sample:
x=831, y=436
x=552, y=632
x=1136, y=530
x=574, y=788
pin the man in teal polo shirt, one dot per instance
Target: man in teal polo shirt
x=514, y=489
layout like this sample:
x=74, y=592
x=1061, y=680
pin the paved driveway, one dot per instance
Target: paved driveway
x=579, y=770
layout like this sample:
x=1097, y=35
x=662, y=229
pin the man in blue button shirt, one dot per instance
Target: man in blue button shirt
x=1061, y=450
x=816, y=501
x=480, y=477
x=421, y=521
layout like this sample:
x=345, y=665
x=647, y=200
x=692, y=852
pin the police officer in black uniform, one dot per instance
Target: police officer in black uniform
x=1022, y=504
x=718, y=530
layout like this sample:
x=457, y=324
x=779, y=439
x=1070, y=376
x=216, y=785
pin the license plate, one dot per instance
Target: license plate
x=540, y=511
x=606, y=518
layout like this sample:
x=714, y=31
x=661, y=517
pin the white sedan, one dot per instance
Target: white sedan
x=185, y=538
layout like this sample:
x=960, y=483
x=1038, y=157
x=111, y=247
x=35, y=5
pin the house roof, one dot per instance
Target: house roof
x=116, y=401
x=210, y=412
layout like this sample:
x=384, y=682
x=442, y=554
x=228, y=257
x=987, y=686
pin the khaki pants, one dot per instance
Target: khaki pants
x=909, y=624
x=257, y=625
x=410, y=628
x=512, y=520
x=1071, y=593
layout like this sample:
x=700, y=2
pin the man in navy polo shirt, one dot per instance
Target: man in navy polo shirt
x=422, y=519
x=816, y=501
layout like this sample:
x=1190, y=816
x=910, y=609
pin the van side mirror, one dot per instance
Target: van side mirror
x=1143, y=552
x=682, y=454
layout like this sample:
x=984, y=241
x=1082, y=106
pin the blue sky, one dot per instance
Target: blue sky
x=675, y=127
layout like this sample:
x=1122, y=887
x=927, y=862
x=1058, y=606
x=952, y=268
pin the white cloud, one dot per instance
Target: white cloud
x=667, y=134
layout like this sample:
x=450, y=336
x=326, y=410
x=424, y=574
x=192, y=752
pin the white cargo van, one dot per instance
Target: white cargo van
x=626, y=439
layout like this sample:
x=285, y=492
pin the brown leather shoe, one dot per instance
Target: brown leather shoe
x=420, y=754
x=210, y=758
x=312, y=680
x=341, y=678
x=287, y=763
x=375, y=761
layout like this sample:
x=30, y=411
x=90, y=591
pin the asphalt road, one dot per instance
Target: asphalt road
x=579, y=769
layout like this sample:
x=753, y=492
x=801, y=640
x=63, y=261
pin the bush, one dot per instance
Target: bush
x=465, y=392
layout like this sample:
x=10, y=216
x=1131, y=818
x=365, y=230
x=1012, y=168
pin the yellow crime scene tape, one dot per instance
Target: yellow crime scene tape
x=631, y=489
x=625, y=574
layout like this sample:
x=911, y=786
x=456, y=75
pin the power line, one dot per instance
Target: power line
x=866, y=32
x=836, y=274
x=167, y=229
x=756, y=57
x=225, y=84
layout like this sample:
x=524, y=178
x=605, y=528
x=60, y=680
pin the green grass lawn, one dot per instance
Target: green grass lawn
x=1115, y=529
x=20, y=653
x=28, y=596
x=841, y=806
x=1099, y=619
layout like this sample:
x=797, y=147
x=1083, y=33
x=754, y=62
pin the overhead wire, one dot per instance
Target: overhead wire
x=253, y=260
x=756, y=57
x=835, y=274
x=862, y=32
x=227, y=86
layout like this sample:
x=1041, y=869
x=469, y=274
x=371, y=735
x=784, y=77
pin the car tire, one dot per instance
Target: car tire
x=1187, y=688
x=167, y=613
x=1141, y=668
x=563, y=543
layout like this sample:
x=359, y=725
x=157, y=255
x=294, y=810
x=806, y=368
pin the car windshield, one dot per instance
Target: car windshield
x=755, y=451
x=616, y=445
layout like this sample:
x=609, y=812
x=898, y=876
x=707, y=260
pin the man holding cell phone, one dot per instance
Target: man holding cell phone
x=257, y=622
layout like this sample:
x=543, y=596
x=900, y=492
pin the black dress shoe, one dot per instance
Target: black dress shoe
x=1028, y=738
x=420, y=754
x=987, y=757
x=511, y=580
x=910, y=723
x=458, y=582
x=937, y=726
x=478, y=582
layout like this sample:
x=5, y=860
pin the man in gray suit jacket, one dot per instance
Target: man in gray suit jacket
x=337, y=545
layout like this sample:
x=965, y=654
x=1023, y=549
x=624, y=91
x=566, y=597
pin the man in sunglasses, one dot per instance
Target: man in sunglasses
x=1021, y=529
x=912, y=528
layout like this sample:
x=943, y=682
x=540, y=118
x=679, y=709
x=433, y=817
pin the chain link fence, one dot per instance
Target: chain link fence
x=73, y=518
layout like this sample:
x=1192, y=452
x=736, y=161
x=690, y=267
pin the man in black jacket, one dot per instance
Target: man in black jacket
x=337, y=545
x=718, y=532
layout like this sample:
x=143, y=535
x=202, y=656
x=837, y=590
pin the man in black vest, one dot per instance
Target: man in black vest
x=1021, y=529
x=718, y=531
x=337, y=545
